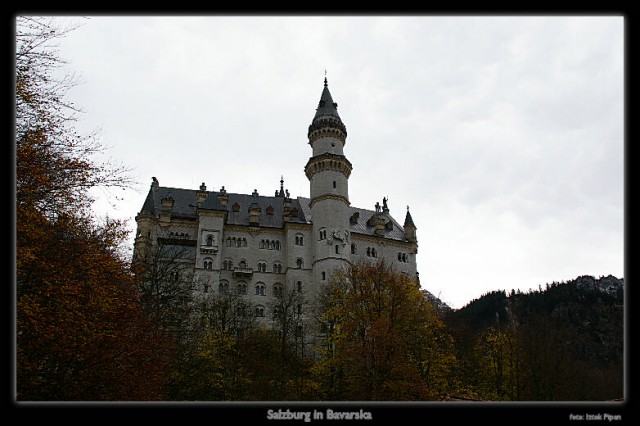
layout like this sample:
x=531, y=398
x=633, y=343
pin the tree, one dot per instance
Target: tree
x=375, y=323
x=81, y=334
x=499, y=364
x=210, y=364
x=289, y=326
x=167, y=283
x=55, y=165
x=80, y=331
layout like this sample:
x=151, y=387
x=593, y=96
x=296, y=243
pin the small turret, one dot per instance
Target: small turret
x=223, y=197
x=410, y=228
x=202, y=194
x=254, y=210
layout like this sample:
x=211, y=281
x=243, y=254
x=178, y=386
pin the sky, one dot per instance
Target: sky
x=503, y=134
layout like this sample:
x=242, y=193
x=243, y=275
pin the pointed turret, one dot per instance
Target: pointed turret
x=410, y=227
x=326, y=106
x=328, y=172
x=327, y=122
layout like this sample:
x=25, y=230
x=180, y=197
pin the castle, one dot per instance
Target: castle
x=259, y=245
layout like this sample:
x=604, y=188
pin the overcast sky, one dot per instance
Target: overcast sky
x=504, y=135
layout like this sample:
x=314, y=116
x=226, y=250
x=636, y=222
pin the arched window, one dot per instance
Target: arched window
x=209, y=240
x=278, y=290
x=241, y=311
x=262, y=266
x=223, y=287
x=299, y=240
x=277, y=312
x=277, y=268
x=276, y=245
x=208, y=263
x=299, y=263
x=242, y=288
x=323, y=234
x=259, y=310
x=260, y=289
x=324, y=276
x=354, y=249
x=262, y=244
x=337, y=249
x=299, y=286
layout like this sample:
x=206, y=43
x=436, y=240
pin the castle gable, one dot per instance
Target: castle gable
x=360, y=223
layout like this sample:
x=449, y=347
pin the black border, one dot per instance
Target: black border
x=401, y=413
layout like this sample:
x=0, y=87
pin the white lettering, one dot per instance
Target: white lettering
x=289, y=415
x=612, y=417
x=348, y=415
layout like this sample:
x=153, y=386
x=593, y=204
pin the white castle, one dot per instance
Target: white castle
x=258, y=245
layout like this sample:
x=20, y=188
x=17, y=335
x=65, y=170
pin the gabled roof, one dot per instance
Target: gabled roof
x=185, y=206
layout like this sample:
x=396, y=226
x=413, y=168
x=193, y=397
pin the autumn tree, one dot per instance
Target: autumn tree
x=167, y=284
x=210, y=365
x=498, y=367
x=380, y=335
x=56, y=165
x=290, y=327
x=80, y=331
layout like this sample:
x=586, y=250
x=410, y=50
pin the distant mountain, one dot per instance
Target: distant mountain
x=435, y=301
x=567, y=338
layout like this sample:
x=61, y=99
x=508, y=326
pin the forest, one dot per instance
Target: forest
x=90, y=326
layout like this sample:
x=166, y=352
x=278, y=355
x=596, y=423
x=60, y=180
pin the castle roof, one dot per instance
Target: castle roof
x=326, y=106
x=185, y=206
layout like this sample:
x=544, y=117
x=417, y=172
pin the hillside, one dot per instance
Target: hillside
x=562, y=342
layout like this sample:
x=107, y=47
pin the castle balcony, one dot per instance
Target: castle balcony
x=208, y=250
x=242, y=272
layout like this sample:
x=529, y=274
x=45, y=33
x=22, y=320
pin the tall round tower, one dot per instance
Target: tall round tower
x=328, y=172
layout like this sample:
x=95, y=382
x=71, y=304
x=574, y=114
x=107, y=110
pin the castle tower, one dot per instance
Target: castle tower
x=328, y=172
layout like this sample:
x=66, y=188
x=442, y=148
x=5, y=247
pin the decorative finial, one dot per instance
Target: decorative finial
x=325, y=77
